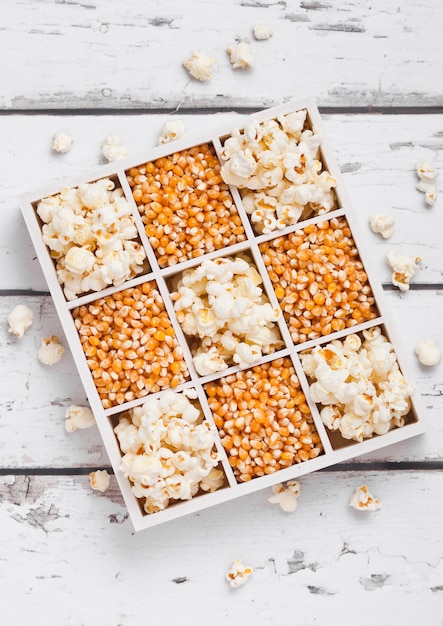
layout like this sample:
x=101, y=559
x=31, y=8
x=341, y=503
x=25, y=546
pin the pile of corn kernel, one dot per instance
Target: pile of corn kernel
x=186, y=207
x=277, y=166
x=358, y=384
x=168, y=451
x=222, y=307
x=91, y=234
x=263, y=419
x=130, y=345
x=319, y=279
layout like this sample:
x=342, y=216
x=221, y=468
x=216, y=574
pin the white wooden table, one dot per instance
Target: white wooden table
x=94, y=68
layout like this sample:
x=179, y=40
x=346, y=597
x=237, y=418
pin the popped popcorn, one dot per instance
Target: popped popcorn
x=199, y=65
x=286, y=496
x=241, y=55
x=238, y=574
x=382, y=224
x=403, y=267
x=61, y=142
x=90, y=231
x=362, y=500
x=275, y=164
x=50, y=351
x=172, y=129
x=168, y=451
x=222, y=305
x=359, y=384
x=78, y=417
x=427, y=175
x=19, y=320
x=99, y=480
x=112, y=149
x=262, y=31
x=428, y=353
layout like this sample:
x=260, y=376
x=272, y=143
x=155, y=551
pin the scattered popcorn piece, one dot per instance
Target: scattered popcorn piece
x=382, y=224
x=359, y=384
x=199, y=65
x=78, y=417
x=428, y=353
x=20, y=319
x=286, y=496
x=238, y=574
x=427, y=175
x=262, y=31
x=50, y=351
x=172, y=129
x=362, y=500
x=168, y=451
x=241, y=55
x=61, y=142
x=112, y=149
x=99, y=480
x=403, y=267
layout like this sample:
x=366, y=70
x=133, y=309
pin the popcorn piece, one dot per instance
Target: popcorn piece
x=427, y=175
x=238, y=574
x=428, y=353
x=403, y=268
x=78, y=417
x=382, y=224
x=99, y=480
x=359, y=385
x=362, y=500
x=261, y=31
x=20, y=319
x=286, y=496
x=112, y=149
x=199, y=65
x=168, y=451
x=172, y=129
x=241, y=55
x=61, y=142
x=50, y=351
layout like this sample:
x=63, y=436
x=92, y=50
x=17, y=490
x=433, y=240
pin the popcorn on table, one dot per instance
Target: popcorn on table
x=262, y=31
x=50, y=351
x=359, y=384
x=428, y=353
x=172, y=129
x=362, y=500
x=78, y=417
x=99, y=480
x=168, y=452
x=90, y=231
x=276, y=166
x=61, y=142
x=221, y=303
x=286, y=495
x=382, y=224
x=20, y=319
x=241, y=55
x=403, y=267
x=199, y=65
x=427, y=175
x=239, y=574
x=112, y=149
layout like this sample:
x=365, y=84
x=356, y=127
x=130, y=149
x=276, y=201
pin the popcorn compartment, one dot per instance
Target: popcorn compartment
x=208, y=355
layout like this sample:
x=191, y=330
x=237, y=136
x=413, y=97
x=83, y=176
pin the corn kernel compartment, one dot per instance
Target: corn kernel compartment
x=319, y=280
x=263, y=419
x=130, y=345
x=186, y=207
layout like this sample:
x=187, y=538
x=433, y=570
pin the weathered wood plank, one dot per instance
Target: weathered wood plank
x=88, y=54
x=377, y=154
x=34, y=397
x=64, y=544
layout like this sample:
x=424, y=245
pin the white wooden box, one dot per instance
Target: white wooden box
x=334, y=447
